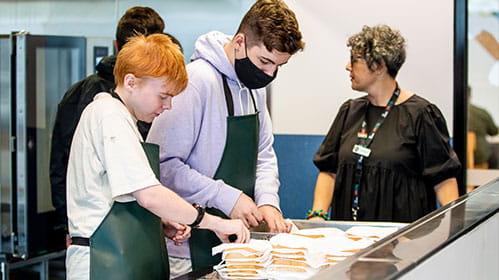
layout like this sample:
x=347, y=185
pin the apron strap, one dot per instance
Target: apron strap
x=228, y=97
x=81, y=241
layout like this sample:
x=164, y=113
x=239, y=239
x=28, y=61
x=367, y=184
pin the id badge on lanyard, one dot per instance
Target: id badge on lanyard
x=361, y=151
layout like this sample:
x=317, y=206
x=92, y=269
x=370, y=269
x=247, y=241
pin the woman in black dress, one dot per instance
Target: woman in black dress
x=387, y=156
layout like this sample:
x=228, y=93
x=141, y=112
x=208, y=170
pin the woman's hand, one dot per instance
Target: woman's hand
x=447, y=191
x=317, y=219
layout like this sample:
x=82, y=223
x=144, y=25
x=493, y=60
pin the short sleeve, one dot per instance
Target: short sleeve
x=124, y=159
x=326, y=158
x=438, y=159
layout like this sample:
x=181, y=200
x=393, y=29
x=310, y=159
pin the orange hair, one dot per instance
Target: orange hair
x=155, y=55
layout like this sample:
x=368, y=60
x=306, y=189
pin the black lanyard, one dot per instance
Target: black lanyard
x=115, y=95
x=362, y=149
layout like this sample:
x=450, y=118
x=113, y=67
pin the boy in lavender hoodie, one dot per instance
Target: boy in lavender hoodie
x=216, y=142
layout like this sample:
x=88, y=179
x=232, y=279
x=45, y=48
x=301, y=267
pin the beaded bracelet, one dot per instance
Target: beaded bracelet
x=317, y=213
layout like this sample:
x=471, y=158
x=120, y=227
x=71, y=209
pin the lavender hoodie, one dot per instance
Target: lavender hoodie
x=192, y=135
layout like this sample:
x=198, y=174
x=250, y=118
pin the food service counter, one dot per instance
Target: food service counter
x=457, y=241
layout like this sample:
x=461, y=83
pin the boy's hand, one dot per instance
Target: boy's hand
x=274, y=219
x=178, y=233
x=245, y=210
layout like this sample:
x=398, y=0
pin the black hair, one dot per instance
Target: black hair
x=138, y=20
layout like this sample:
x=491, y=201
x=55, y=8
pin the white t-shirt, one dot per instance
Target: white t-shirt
x=106, y=163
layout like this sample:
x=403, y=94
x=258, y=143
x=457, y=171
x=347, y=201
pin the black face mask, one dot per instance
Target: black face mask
x=250, y=75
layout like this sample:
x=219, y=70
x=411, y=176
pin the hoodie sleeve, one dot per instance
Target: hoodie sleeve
x=267, y=177
x=180, y=133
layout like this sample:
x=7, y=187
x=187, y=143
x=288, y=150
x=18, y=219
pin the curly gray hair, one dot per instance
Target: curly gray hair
x=379, y=43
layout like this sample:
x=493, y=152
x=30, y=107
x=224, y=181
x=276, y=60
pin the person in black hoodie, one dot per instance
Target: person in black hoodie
x=136, y=20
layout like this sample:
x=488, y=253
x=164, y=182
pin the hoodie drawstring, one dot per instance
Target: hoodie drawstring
x=245, y=90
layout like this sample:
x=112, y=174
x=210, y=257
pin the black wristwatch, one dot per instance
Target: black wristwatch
x=200, y=216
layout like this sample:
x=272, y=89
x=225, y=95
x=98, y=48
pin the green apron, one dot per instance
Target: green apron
x=129, y=243
x=237, y=168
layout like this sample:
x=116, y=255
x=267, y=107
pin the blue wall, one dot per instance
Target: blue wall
x=297, y=172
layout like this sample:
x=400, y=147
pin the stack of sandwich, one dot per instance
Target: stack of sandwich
x=296, y=255
x=338, y=247
x=248, y=261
